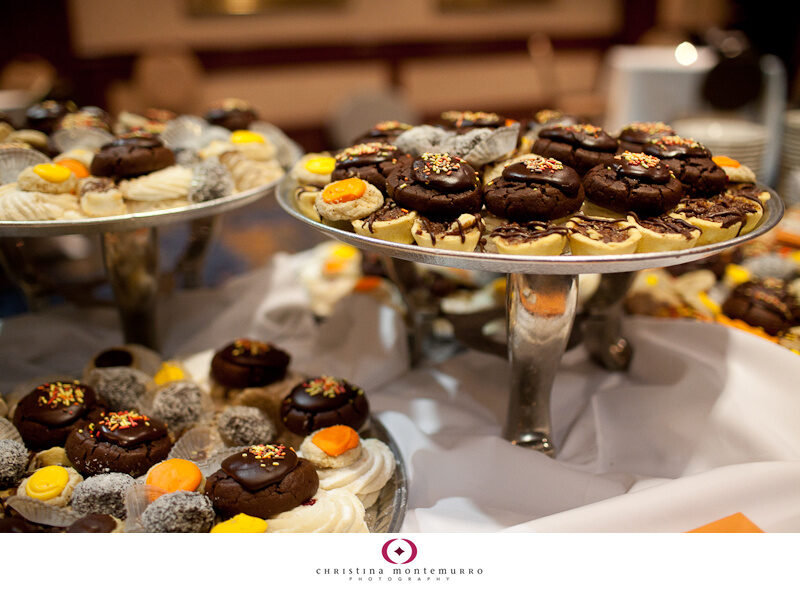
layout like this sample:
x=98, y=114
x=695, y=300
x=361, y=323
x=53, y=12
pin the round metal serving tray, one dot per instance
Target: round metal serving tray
x=564, y=264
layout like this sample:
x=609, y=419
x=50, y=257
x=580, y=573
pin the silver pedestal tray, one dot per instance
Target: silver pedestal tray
x=130, y=251
x=541, y=304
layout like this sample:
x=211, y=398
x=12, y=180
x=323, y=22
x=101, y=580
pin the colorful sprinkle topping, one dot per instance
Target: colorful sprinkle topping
x=676, y=140
x=60, y=393
x=371, y=148
x=459, y=116
x=247, y=347
x=327, y=386
x=585, y=128
x=546, y=115
x=639, y=159
x=651, y=128
x=543, y=164
x=391, y=126
x=267, y=451
x=123, y=420
x=440, y=163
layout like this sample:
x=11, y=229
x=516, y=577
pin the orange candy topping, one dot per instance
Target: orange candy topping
x=344, y=190
x=175, y=474
x=77, y=167
x=336, y=440
x=725, y=161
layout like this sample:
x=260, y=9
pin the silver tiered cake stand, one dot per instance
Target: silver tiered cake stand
x=130, y=249
x=541, y=306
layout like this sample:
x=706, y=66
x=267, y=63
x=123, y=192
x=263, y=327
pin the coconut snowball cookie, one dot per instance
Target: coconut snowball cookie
x=579, y=146
x=179, y=404
x=347, y=200
x=13, y=463
x=633, y=182
x=120, y=387
x=372, y=162
x=634, y=136
x=691, y=163
x=536, y=188
x=245, y=426
x=436, y=185
x=51, y=484
x=261, y=481
x=344, y=461
x=179, y=512
x=103, y=493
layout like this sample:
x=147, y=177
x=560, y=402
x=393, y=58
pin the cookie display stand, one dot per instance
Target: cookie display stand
x=130, y=249
x=541, y=306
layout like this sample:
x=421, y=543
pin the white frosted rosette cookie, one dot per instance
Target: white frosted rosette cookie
x=248, y=173
x=333, y=511
x=168, y=184
x=20, y=205
x=344, y=461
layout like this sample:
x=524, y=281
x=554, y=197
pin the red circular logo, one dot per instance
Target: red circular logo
x=399, y=551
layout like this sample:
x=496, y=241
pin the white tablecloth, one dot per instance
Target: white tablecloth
x=706, y=422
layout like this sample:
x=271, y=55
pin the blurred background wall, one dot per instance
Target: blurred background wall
x=302, y=63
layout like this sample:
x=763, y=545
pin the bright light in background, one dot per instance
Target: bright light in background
x=686, y=53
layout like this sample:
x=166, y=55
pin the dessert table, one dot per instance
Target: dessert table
x=701, y=426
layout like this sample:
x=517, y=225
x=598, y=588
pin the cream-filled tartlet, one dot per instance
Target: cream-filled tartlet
x=595, y=236
x=314, y=169
x=51, y=484
x=389, y=223
x=664, y=233
x=348, y=199
x=344, y=461
x=534, y=238
x=100, y=197
x=331, y=511
x=462, y=234
x=717, y=219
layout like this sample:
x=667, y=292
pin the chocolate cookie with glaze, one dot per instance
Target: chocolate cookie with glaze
x=123, y=441
x=384, y=132
x=322, y=402
x=372, y=162
x=45, y=416
x=245, y=363
x=45, y=115
x=634, y=136
x=765, y=303
x=437, y=185
x=464, y=121
x=578, y=146
x=634, y=182
x=232, y=113
x=131, y=156
x=540, y=189
x=691, y=163
x=261, y=481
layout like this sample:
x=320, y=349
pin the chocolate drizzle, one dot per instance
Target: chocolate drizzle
x=259, y=466
x=448, y=228
x=666, y=224
x=529, y=231
x=609, y=230
x=725, y=211
x=390, y=211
